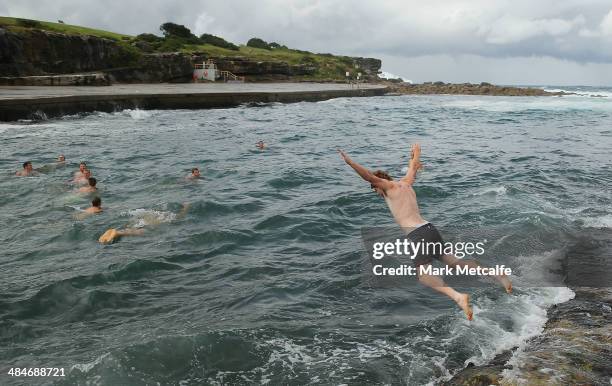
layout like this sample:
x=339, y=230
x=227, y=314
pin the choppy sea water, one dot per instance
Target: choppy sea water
x=262, y=280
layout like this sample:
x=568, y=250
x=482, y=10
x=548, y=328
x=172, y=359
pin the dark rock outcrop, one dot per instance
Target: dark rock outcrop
x=467, y=89
x=92, y=79
x=370, y=67
x=489, y=374
x=257, y=70
x=171, y=67
x=38, y=52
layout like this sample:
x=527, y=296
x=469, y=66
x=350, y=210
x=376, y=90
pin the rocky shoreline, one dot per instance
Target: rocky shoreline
x=575, y=348
x=467, y=89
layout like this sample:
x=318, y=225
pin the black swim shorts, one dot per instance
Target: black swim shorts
x=431, y=246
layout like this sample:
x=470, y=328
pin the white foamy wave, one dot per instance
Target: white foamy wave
x=388, y=75
x=137, y=113
x=544, y=268
x=534, y=326
x=598, y=222
x=494, y=190
x=147, y=217
x=582, y=93
x=86, y=367
x=513, y=104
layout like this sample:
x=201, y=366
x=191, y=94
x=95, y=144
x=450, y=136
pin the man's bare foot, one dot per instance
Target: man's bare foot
x=503, y=279
x=464, y=302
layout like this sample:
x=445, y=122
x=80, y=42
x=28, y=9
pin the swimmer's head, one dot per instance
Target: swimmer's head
x=27, y=165
x=87, y=173
x=195, y=172
x=385, y=176
x=82, y=166
x=92, y=181
x=61, y=158
x=97, y=202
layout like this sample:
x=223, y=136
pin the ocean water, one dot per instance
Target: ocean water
x=262, y=280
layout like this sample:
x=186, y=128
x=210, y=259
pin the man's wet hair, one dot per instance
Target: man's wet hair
x=382, y=174
x=92, y=181
x=25, y=164
x=194, y=169
x=96, y=202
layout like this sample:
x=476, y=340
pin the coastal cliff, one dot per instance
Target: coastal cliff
x=33, y=48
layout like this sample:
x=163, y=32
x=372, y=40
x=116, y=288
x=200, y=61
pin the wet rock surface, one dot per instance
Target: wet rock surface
x=575, y=348
x=467, y=89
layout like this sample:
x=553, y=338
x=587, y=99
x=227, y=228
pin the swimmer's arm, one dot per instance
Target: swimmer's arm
x=414, y=165
x=365, y=173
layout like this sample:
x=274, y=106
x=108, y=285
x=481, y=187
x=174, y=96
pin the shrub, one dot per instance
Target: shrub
x=28, y=23
x=258, y=43
x=217, y=41
x=178, y=30
x=171, y=44
x=275, y=45
x=149, y=38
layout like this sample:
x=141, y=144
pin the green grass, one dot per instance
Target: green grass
x=14, y=24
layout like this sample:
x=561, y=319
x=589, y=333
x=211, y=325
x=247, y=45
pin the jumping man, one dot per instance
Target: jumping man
x=402, y=202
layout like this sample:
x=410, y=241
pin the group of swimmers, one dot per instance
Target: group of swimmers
x=82, y=179
x=87, y=184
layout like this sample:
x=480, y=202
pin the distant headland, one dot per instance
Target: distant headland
x=41, y=53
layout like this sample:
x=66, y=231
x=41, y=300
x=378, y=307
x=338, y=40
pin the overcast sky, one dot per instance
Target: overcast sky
x=554, y=42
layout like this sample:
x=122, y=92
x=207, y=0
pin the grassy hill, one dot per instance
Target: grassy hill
x=23, y=25
x=180, y=39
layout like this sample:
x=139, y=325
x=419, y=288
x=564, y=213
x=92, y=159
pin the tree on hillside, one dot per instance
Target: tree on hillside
x=217, y=41
x=258, y=43
x=172, y=29
x=149, y=38
x=275, y=45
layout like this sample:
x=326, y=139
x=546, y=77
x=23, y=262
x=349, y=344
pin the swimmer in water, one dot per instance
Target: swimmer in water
x=260, y=145
x=59, y=163
x=84, y=179
x=111, y=235
x=91, y=186
x=95, y=208
x=195, y=174
x=402, y=202
x=27, y=170
x=80, y=173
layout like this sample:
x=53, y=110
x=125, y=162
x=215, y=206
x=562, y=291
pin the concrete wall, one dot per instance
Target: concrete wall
x=48, y=107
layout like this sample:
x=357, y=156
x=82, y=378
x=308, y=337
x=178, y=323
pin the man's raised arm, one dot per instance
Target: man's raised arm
x=414, y=165
x=365, y=173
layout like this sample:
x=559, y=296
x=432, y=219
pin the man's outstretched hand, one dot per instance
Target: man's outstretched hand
x=344, y=156
x=415, y=150
x=415, y=153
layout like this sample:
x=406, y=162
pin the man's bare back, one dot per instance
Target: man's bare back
x=402, y=202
